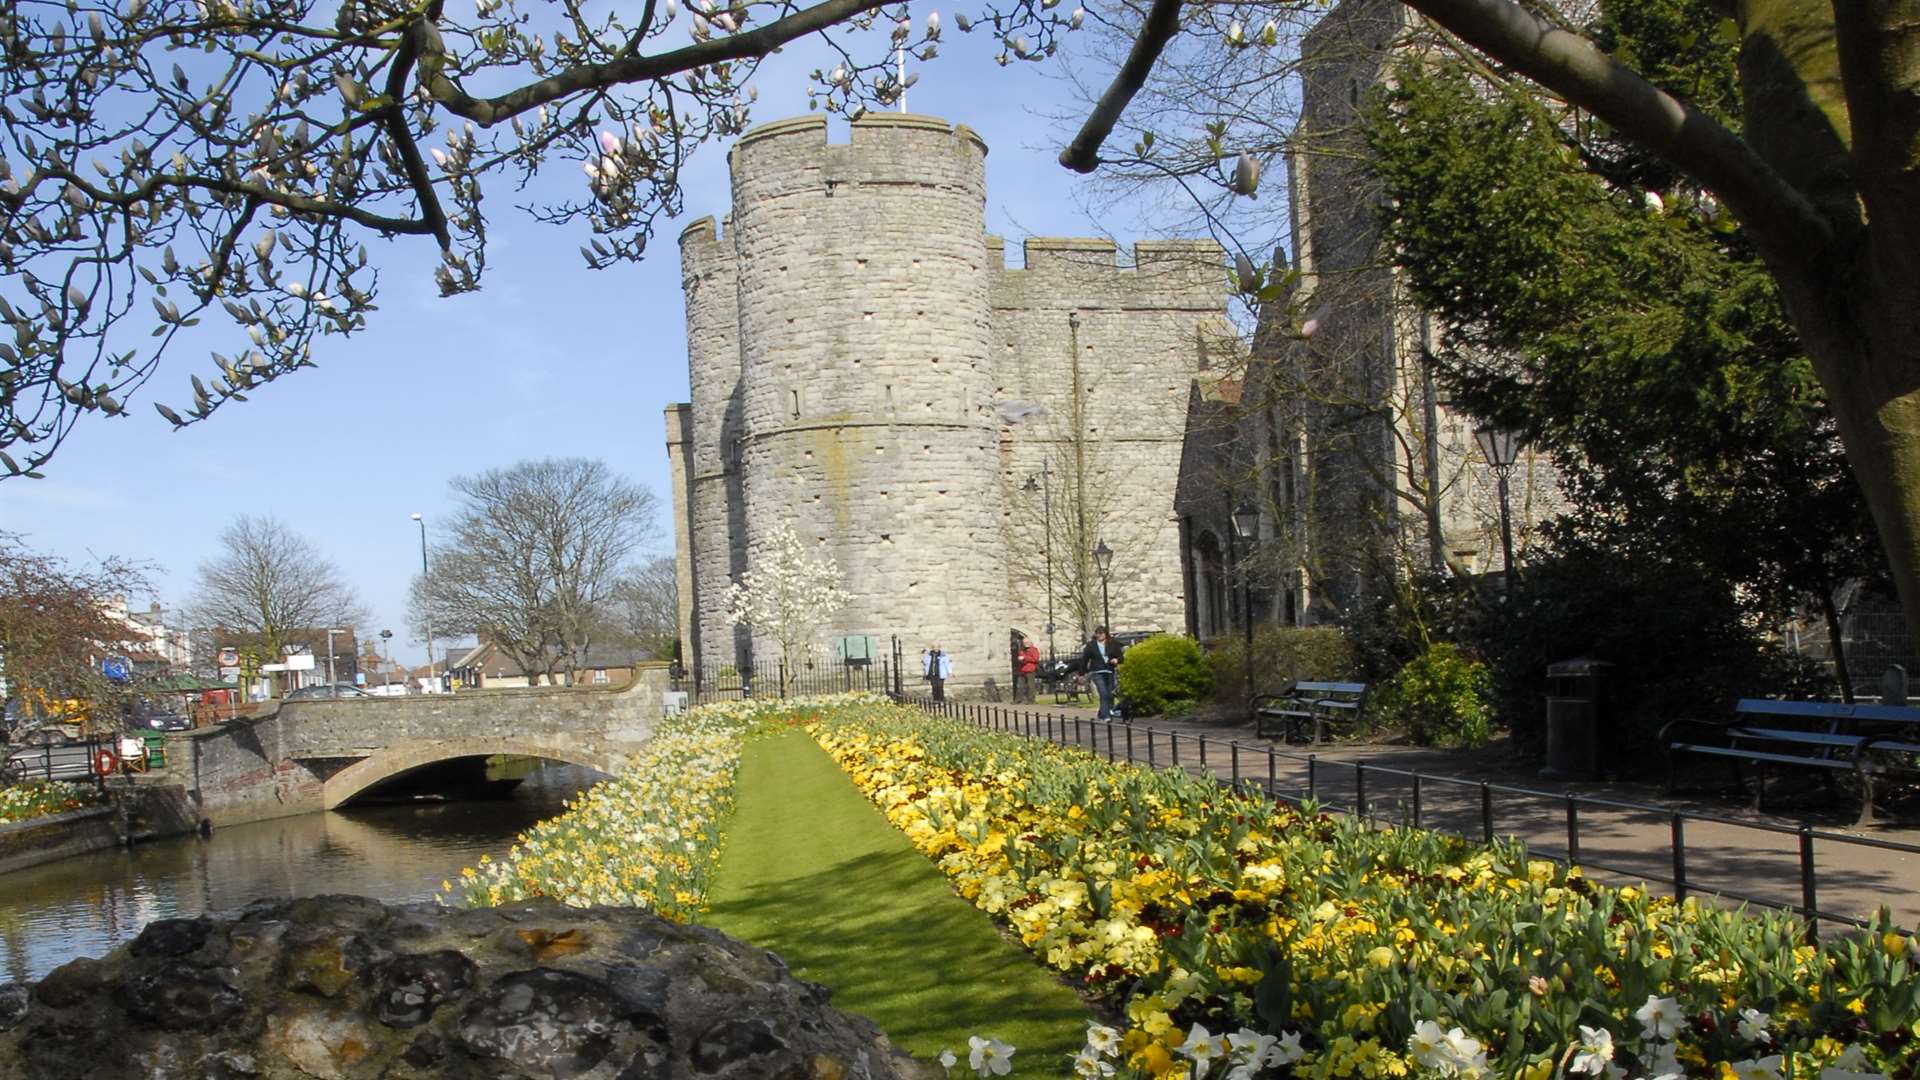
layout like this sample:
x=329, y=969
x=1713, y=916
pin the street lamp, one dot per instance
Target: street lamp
x=330, y=636
x=1103, y=559
x=1501, y=448
x=426, y=605
x=1045, y=487
x=1246, y=525
x=386, y=639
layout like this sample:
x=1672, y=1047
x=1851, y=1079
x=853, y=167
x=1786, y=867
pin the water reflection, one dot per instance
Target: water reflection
x=86, y=905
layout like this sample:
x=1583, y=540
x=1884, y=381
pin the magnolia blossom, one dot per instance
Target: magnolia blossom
x=1235, y=34
x=1659, y=1018
x=1079, y=17
x=1595, y=1051
x=989, y=1057
x=1246, y=176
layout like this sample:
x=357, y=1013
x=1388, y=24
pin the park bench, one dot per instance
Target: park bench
x=1309, y=706
x=1865, y=739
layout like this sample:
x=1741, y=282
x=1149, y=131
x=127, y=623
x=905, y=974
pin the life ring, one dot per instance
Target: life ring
x=105, y=762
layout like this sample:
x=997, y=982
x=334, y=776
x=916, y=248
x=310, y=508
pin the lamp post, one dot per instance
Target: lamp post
x=1046, y=495
x=1246, y=525
x=426, y=607
x=330, y=636
x=1501, y=448
x=1103, y=559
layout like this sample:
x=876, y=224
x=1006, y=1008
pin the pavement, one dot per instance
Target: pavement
x=1625, y=822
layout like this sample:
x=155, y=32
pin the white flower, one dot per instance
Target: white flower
x=1766, y=1068
x=1087, y=1064
x=1753, y=1026
x=1663, y=1062
x=1659, y=1017
x=1596, y=1050
x=1203, y=1047
x=1655, y=204
x=1249, y=1046
x=1246, y=176
x=933, y=24
x=1103, y=1040
x=1852, y=1064
x=1079, y=17
x=947, y=1059
x=1235, y=34
x=1243, y=271
x=1287, y=1050
x=1428, y=1045
x=609, y=142
x=989, y=1057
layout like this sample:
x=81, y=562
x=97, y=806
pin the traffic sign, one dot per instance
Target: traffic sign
x=117, y=668
x=229, y=657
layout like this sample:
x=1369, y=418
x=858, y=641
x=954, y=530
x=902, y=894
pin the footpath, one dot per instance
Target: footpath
x=814, y=872
x=1626, y=824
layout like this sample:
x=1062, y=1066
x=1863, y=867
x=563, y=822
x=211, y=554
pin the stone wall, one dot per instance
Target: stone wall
x=58, y=836
x=283, y=763
x=879, y=336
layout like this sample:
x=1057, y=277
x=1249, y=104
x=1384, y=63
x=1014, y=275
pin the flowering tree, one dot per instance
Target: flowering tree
x=789, y=594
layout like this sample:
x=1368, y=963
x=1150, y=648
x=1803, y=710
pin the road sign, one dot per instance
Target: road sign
x=229, y=658
x=117, y=668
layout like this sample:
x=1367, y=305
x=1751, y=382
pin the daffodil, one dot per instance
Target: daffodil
x=988, y=1056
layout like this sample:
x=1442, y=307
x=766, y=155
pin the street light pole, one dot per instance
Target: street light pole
x=1103, y=559
x=426, y=606
x=1502, y=450
x=1246, y=525
x=386, y=639
x=1046, y=508
x=330, y=635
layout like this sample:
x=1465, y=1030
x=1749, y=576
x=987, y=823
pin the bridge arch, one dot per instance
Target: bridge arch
x=402, y=757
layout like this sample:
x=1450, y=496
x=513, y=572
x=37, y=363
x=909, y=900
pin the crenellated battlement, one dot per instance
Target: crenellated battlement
x=1085, y=271
x=881, y=148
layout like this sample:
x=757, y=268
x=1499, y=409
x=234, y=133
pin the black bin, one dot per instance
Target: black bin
x=1576, y=710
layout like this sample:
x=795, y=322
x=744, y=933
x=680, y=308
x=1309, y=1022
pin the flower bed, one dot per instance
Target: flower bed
x=1354, y=952
x=650, y=837
x=40, y=799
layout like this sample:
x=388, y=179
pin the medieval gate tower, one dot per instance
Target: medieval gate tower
x=865, y=369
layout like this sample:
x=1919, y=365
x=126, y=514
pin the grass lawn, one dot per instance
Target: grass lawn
x=814, y=872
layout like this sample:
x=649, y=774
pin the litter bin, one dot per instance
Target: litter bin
x=1576, y=709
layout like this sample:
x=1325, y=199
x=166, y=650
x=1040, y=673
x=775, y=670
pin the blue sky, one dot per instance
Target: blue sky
x=548, y=359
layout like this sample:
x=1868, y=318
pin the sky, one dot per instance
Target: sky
x=548, y=359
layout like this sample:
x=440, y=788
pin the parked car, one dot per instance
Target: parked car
x=399, y=689
x=157, y=714
x=328, y=692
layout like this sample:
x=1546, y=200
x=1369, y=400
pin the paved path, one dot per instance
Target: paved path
x=1625, y=825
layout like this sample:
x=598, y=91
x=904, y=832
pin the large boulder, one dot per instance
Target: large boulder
x=345, y=988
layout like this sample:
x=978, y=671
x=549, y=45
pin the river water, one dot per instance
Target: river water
x=86, y=905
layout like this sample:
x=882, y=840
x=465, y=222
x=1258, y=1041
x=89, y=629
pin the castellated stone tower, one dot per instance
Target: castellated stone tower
x=866, y=370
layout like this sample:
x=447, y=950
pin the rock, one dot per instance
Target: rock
x=345, y=988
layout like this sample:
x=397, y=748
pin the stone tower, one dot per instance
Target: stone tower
x=856, y=342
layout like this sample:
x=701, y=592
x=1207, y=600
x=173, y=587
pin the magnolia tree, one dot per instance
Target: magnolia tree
x=169, y=161
x=786, y=598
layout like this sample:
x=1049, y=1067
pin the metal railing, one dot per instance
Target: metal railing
x=812, y=680
x=1360, y=785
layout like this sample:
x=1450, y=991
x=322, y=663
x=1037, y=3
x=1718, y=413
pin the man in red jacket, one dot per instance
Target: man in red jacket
x=1025, y=664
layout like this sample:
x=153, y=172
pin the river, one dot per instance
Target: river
x=86, y=905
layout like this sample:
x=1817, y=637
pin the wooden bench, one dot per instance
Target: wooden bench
x=1866, y=740
x=1308, y=706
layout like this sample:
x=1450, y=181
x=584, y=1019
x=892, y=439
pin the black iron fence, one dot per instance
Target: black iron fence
x=1597, y=833
x=880, y=676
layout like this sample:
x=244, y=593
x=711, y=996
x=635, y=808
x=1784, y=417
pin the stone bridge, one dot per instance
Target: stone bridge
x=317, y=755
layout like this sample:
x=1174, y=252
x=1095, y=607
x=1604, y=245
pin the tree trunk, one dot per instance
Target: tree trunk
x=1837, y=643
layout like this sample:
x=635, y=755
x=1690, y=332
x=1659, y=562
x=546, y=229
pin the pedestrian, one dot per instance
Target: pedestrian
x=1102, y=656
x=1026, y=663
x=936, y=668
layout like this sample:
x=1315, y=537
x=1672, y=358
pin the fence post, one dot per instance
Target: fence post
x=1679, y=826
x=1416, y=800
x=1235, y=747
x=1129, y=742
x=1313, y=776
x=1486, y=812
x=1360, y=791
x=1573, y=830
x=1808, y=899
x=1273, y=775
x=1151, y=763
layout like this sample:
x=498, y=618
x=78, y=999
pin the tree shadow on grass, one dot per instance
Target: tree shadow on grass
x=897, y=946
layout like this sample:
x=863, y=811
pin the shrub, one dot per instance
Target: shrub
x=1177, y=709
x=1164, y=668
x=1442, y=696
x=1281, y=654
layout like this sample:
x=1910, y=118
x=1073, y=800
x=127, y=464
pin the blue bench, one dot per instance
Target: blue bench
x=1308, y=706
x=1867, y=740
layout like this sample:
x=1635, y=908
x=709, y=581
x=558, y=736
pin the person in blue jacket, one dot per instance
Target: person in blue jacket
x=936, y=667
